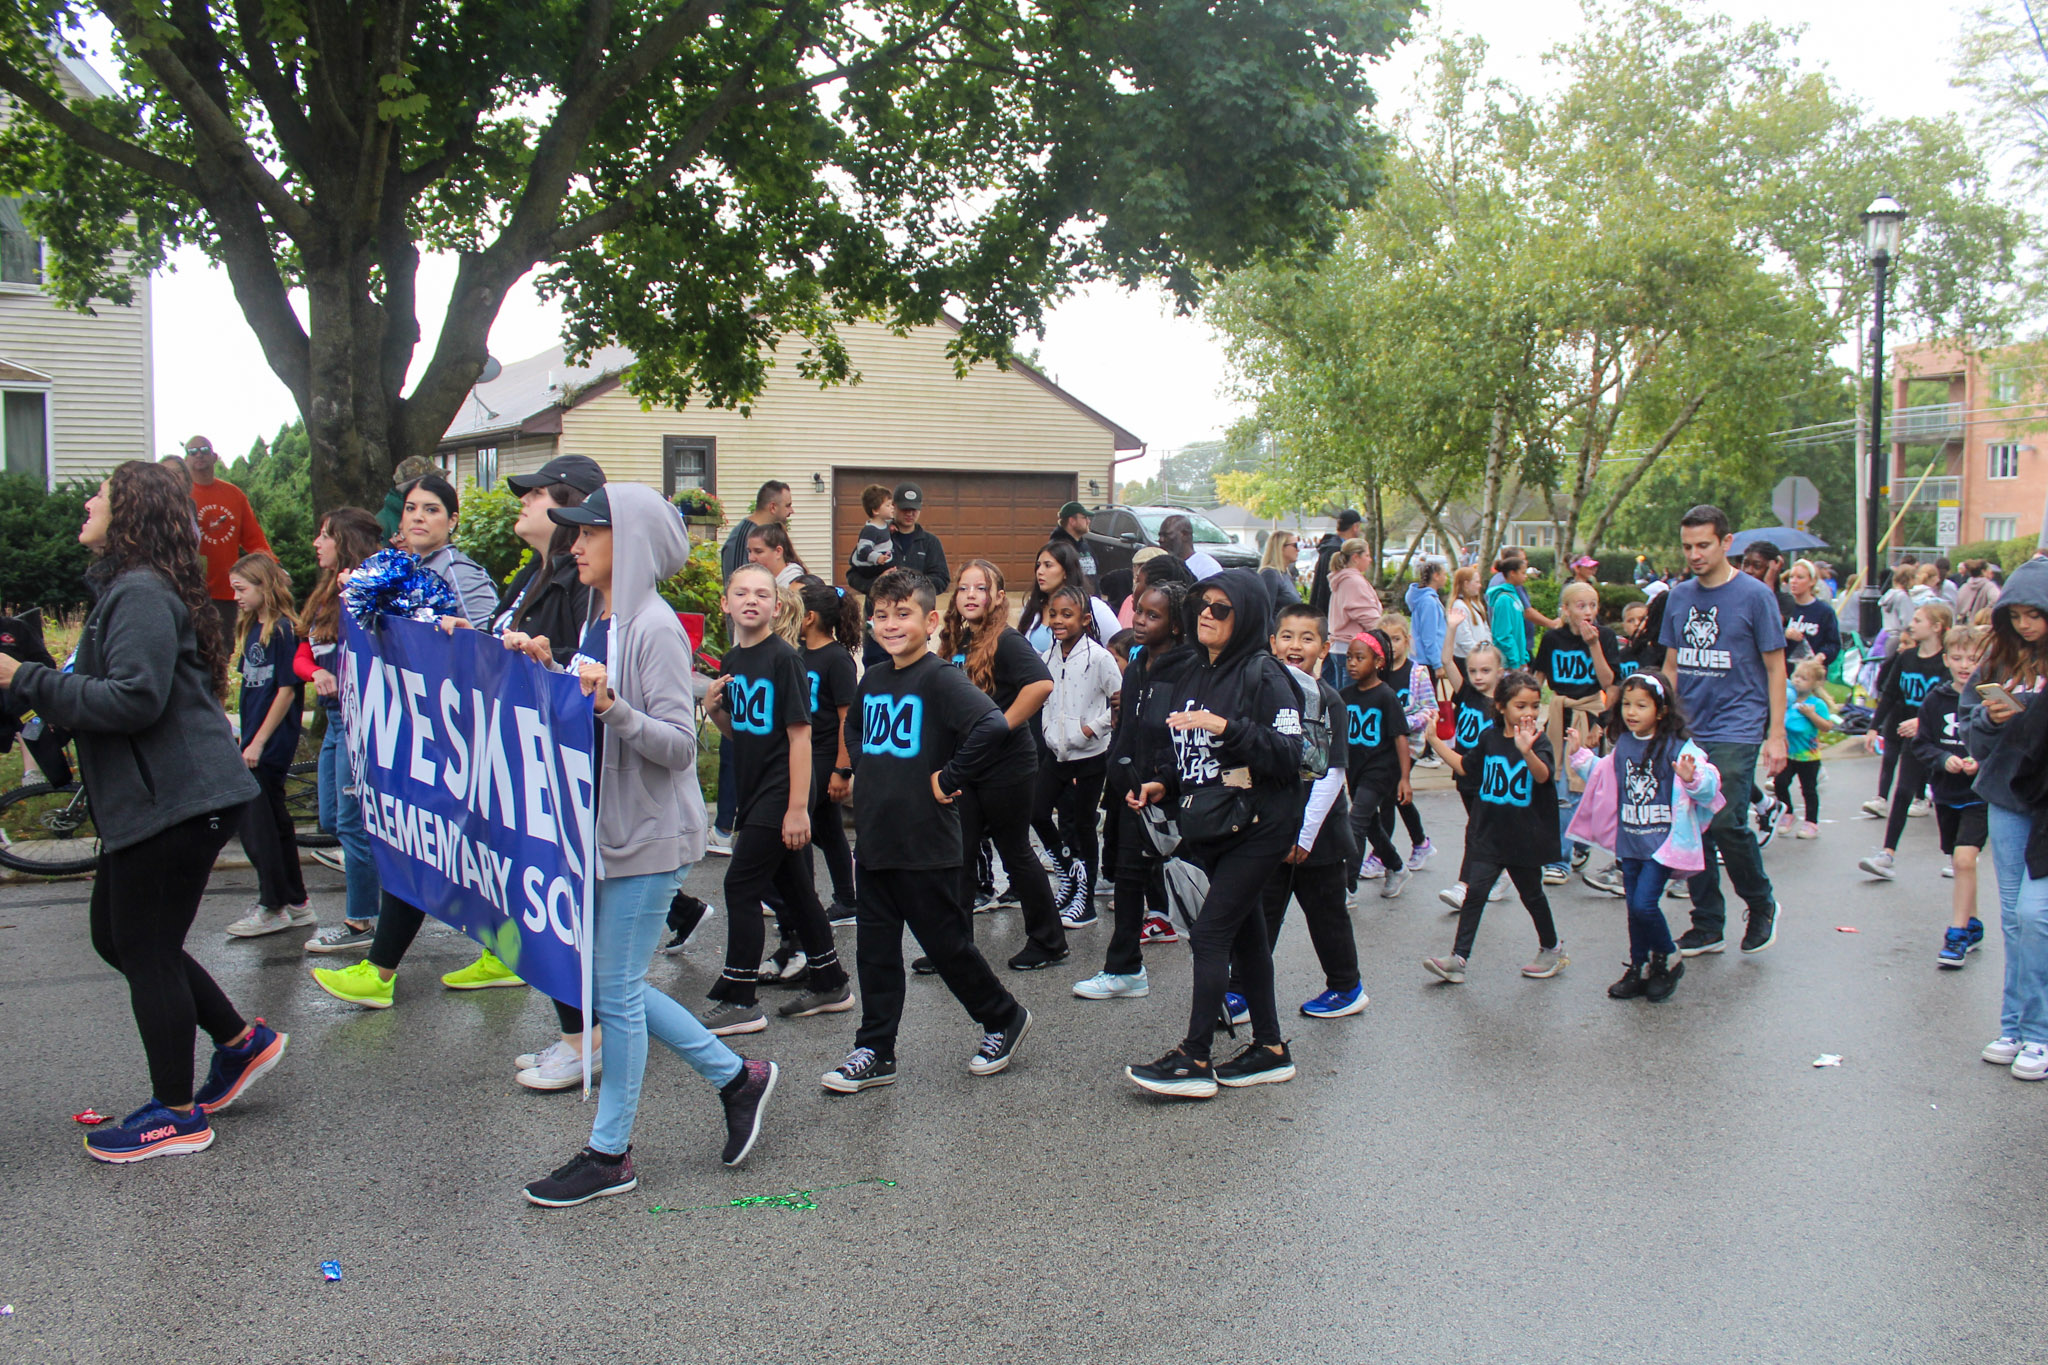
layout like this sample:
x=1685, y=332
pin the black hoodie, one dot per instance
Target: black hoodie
x=1141, y=733
x=1251, y=690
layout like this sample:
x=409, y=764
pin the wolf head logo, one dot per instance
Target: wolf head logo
x=1642, y=784
x=1702, y=627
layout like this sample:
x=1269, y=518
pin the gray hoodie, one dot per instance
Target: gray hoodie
x=650, y=811
x=154, y=746
x=1996, y=758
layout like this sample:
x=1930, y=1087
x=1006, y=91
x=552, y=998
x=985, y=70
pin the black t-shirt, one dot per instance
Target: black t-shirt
x=1015, y=667
x=1373, y=724
x=1514, y=817
x=1913, y=678
x=1333, y=840
x=768, y=694
x=1631, y=656
x=1473, y=711
x=266, y=671
x=911, y=722
x=833, y=683
x=1567, y=660
x=1940, y=738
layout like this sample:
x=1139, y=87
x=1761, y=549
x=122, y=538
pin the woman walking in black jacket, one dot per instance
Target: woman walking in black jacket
x=167, y=781
x=1235, y=787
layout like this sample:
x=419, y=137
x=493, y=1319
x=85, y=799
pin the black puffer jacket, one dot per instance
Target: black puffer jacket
x=556, y=606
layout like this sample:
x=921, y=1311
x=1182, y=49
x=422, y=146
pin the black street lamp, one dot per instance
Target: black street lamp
x=1883, y=223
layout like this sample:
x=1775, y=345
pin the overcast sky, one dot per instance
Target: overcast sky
x=1160, y=376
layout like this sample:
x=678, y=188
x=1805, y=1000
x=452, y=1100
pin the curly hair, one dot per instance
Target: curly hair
x=976, y=649
x=152, y=526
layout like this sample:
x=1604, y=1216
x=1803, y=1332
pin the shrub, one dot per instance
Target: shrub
x=700, y=587
x=484, y=530
x=1543, y=594
x=1615, y=596
x=44, y=565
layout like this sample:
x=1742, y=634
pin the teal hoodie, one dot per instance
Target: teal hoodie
x=1504, y=617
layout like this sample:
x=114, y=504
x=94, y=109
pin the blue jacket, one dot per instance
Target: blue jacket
x=1426, y=623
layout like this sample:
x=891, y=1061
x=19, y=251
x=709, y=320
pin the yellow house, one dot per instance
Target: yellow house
x=996, y=452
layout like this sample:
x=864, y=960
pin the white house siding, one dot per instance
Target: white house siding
x=909, y=412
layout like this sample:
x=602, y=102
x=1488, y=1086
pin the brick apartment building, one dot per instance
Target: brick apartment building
x=1983, y=415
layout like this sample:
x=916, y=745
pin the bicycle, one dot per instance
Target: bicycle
x=46, y=829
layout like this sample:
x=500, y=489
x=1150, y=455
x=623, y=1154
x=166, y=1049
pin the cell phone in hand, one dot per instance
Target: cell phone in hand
x=1990, y=690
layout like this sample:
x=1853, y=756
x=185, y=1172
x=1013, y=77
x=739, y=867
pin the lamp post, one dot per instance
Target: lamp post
x=1883, y=222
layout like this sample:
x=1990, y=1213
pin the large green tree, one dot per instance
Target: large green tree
x=699, y=179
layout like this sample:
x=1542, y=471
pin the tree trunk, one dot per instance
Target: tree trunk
x=1496, y=456
x=1635, y=476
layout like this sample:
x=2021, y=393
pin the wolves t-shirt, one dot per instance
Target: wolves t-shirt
x=1373, y=724
x=1567, y=660
x=833, y=682
x=1514, y=817
x=769, y=692
x=1642, y=779
x=1719, y=637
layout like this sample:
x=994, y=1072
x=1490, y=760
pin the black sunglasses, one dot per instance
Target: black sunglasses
x=1220, y=610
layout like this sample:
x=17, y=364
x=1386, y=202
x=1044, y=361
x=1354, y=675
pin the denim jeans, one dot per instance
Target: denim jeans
x=1730, y=840
x=631, y=913
x=2009, y=829
x=342, y=816
x=1567, y=807
x=1649, y=932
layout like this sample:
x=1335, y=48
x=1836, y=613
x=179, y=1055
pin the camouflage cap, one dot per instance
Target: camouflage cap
x=413, y=467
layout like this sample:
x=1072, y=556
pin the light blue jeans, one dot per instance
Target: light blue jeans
x=631, y=913
x=341, y=816
x=2023, y=915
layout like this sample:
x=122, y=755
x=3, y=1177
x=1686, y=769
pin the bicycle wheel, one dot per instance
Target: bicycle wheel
x=48, y=830
x=302, y=799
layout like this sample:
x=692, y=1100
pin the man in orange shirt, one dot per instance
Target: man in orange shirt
x=228, y=529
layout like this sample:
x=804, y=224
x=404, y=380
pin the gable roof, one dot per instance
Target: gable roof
x=529, y=396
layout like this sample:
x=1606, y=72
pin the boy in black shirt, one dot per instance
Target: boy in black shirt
x=1315, y=868
x=761, y=704
x=1376, y=738
x=1959, y=813
x=926, y=730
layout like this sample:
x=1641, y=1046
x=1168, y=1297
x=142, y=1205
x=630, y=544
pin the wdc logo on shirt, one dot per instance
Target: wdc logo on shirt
x=1505, y=783
x=752, y=704
x=892, y=726
x=1471, y=721
x=1572, y=667
x=814, y=689
x=1914, y=687
x=1365, y=726
x=1702, y=633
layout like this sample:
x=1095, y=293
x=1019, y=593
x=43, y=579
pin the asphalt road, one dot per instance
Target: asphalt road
x=1510, y=1170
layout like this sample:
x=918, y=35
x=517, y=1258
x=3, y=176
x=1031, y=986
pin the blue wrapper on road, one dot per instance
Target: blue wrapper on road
x=474, y=766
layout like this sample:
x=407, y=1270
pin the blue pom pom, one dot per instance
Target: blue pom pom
x=393, y=583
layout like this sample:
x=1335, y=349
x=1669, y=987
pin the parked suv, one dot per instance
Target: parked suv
x=1115, y=534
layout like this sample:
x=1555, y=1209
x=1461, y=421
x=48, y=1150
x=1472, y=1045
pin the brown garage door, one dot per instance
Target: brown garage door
x=976, y=514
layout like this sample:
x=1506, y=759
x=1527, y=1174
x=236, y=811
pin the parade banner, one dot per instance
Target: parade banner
x=474, y=767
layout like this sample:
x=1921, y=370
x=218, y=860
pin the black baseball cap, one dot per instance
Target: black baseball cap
x=595, y=510
x=909, y=495
x=1074, y=509
x=580, y=472
x=1348, y=517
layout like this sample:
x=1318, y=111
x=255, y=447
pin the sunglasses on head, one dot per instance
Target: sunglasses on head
x=1220, y=610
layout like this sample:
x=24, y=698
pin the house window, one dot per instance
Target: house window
x=688, y=462
x=2001, y=528
x=486, y=466
x=2005, y=386
x=21, y=251
x=2005, y=460
x=27, y=434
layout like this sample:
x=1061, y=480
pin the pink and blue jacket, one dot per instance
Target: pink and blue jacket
x=1599, y=815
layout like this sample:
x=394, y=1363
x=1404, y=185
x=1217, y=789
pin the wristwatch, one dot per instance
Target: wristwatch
x=842, y=772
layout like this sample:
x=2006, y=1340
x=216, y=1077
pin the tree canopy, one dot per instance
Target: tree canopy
x=697, y=179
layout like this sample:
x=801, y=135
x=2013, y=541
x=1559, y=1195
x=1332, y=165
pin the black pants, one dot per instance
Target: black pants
x=1320, y=889
x=1912, y=782
x=1479, y=879
x=1139, y=888
x=1410, y=817
x=1807, y=770
x=144, y=898
x=398, y=924
x=1372, y=824
x=761, y=862
x=928, y=901
x=1003, y=815
x=272, y=842
x=1899, y=752
x=1230, y=932
x=828, y=836
x=1064, y=806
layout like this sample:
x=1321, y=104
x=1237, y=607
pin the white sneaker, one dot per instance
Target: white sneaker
x=1877, y=808
x=552, y=1052
x=1396, y=879
x=303, y=916
x=2001, y=1050
x=1918, y=808
x=719, y=844
x=561, y=1068
x=259, y=922
x=2032, y=1063
x=1114, y=986
x=1879, y=865
x=1372, y=869
x=1948, y=870
x=329, y=858
x=1453, y=896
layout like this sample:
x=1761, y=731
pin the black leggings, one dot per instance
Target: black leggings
x=144, y=898
x=1479, y=879
x=761, y=862
x=828, y=835
x=398, y=924
x=1320, y=889
x=1229, y=937
x=1065, y=800
x=1372, y=824
x=1410, y=817
x=1912, y=781
x=271, y=840
x=1003, y=815
x=1807, y=770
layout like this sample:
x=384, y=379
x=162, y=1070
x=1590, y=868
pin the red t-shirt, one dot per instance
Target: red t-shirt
x=227, y=530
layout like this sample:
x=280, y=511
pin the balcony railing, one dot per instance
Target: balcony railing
x=1928, y=424
x=1944, y=488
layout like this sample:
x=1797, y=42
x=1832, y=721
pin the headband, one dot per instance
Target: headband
x=1366, y=637
x=1653, y=681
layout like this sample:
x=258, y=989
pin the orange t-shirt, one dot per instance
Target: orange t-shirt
x=228, y=529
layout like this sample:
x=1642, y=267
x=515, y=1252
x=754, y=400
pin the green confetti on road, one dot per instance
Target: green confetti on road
x=795, y=1199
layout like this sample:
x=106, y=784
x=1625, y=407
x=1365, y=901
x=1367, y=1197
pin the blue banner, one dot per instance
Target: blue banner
x=474, y=767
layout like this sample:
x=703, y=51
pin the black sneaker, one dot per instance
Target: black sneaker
x=1766, y=817
x=685, y=913
x=923, y=966
x=1032, y=958
x=839, y=914
x=997, y=1049
x=743, y=1108
x=1175, y=1074
x=1256, y=1065
x=861, y=1069
x=833, y=1000
x=1630, y=986
x=1762, y=931
x=1693, y=942
x=984, y=902
x=587, y=1176
x=1662, y=977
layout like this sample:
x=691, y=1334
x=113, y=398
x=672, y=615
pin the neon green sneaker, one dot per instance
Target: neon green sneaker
x=358, y=984
x=481, y=974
